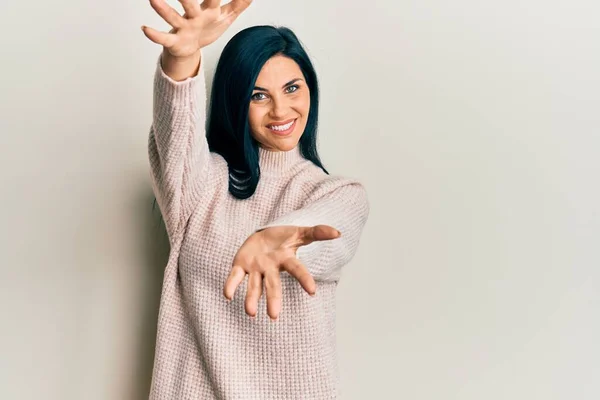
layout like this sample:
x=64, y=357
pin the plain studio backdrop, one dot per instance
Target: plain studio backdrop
x=473, y=124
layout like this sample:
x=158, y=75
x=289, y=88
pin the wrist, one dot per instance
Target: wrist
x=180, y=68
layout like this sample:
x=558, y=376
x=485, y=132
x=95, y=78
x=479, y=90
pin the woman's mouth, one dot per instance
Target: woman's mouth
x=283, y=129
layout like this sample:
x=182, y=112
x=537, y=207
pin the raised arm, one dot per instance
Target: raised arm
x=178, y=151
x=177, y=147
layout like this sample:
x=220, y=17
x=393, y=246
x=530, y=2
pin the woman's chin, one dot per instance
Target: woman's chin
x=281, y=145
x=287, y=146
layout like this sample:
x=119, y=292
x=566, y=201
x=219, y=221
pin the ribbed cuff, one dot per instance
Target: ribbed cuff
x=177, y=93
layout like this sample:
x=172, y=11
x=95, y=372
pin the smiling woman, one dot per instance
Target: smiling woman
x=265, y=80
x=246, y=198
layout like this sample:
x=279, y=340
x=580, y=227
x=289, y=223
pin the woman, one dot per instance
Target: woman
x=249, y=196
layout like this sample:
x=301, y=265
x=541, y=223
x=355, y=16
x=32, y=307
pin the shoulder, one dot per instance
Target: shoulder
x=345, y=189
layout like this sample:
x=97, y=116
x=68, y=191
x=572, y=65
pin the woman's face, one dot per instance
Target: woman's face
x=279, y=105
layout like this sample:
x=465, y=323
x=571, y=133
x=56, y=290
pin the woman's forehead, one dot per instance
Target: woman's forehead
x=277, y=71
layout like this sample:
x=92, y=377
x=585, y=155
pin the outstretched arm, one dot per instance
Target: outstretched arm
x=346, y=209
x=303, y=243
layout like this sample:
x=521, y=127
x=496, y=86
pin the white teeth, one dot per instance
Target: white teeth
x=281, y=127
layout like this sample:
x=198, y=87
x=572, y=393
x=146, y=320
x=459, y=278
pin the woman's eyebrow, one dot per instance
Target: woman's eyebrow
x=287, y=84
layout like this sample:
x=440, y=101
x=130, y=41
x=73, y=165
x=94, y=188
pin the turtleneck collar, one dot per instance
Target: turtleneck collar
x=274, y=163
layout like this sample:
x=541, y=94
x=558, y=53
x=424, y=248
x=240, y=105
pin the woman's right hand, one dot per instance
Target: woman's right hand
x=200, y=25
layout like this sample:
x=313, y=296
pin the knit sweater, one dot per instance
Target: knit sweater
x=207, y=347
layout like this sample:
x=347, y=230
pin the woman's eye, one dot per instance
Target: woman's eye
x=295, y=87
x=256, y=96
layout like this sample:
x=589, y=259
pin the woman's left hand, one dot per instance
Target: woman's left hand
x=265, y=254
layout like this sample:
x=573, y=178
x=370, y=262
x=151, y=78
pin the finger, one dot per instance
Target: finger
x=168, y=13
x=236, y=276
x=191, y=7
x=210, y=4
x=235, y=7
x=166, y=39
x=319, y=233
x=273, y=288
x=295, y=268
x=253, y=293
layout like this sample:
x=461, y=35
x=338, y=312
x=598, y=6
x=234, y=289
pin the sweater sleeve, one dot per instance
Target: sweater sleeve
x=346, y=208
x=177, y=147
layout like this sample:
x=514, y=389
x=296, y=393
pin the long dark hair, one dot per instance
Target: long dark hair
x=228, y=129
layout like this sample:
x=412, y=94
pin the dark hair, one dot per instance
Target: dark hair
x=228, y=129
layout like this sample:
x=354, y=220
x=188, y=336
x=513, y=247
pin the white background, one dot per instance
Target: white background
x=474, y=126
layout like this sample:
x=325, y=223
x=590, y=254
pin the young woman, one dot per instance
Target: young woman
x=248, y=196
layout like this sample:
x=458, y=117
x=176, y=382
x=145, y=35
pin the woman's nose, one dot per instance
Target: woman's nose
x=280, y=108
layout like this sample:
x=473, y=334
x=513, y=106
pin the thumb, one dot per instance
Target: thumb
x=320, y=232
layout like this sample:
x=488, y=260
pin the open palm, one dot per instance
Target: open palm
x=264, y=255
x=199, y=26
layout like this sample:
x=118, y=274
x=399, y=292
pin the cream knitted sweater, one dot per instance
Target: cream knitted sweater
x=208, y=347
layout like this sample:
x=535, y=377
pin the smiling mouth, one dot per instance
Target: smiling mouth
x=284, y=129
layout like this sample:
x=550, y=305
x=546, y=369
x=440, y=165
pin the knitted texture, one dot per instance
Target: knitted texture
x=207, y=347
